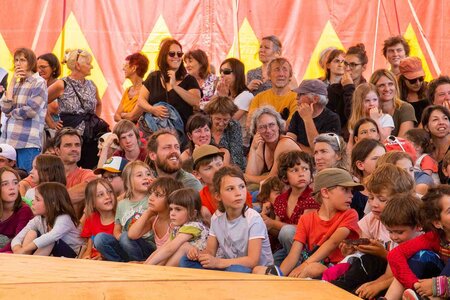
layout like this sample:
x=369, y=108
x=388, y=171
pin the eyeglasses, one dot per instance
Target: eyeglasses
x=338, y=61
x=79, y=51
x=335, y=136
x=351, y=65
x=178, y=53
x=413, y=81
x=111, y=177
x=395, y=140
x=263, y=128
x=226, y=71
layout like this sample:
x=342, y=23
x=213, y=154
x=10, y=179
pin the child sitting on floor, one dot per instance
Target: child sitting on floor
x=319, y=232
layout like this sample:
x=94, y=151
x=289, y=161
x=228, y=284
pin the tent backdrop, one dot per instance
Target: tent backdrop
x=113, y=29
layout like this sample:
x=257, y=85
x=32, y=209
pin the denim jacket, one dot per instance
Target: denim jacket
x=174, y=120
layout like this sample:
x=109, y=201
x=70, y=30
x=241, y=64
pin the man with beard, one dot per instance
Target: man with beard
x=164, y=151
x=280, y=95
x=68, y=147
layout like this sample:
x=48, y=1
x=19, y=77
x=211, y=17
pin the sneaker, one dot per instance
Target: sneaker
x=410, y=294
x=273, y=270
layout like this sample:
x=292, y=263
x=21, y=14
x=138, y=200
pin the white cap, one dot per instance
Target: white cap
x=7, y=151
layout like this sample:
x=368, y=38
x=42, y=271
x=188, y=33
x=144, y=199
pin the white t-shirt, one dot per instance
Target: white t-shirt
x=243, y=100
x=387, y=121
x=233, y=236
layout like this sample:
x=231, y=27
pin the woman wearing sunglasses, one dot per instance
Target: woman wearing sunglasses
x=402, y=112
x=232, y=85
x=330, y=151
x=170, y=84
x=268, y=143
x=412, y=86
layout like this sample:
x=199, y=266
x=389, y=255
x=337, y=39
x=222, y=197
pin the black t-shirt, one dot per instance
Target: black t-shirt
x=158, y=93
x=327, y=121
x=359, y=201
x=419, y=107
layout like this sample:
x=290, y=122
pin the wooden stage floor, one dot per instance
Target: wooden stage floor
x=31, y=277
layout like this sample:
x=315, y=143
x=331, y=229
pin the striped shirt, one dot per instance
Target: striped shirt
x=25, y=113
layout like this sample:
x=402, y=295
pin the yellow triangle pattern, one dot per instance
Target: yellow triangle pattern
x=74, y=39
x=6, y=59
x=151, y=47
x=416, y=50
x=328, y=38
x=248, y=46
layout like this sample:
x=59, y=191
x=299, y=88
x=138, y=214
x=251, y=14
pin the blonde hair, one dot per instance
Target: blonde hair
x=90, y=194
x=389, y=75
x=128, y=178
x=358, y=98
x=72, y=56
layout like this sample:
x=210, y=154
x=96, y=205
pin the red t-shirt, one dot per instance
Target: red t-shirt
x=311, y=230
x=14, y=224
x=305, y=201
x=209, y=201
x=142, y=154
x=93, y=226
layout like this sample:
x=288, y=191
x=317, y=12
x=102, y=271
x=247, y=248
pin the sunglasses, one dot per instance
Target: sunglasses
x=394, y=140
x=335, y=136
x=226, y=71
x=79, y=51
x=413, y=81
x=178, y=53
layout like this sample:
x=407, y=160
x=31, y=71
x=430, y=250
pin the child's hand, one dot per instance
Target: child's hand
x=346, y=249
x=368, y=290
x=97, y=257
x=268, y=221
x=208, y=261
x=424, y=287
x=193, y=253
x=375, y=248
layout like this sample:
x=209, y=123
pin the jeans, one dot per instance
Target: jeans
x=185, y=262
x=110, y=248
x=25, y=158
x=286, y=238
x=138, y=249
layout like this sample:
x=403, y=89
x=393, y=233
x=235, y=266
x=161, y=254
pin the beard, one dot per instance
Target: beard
x=168, y=167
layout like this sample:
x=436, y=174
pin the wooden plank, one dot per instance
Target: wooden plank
x=32, y=277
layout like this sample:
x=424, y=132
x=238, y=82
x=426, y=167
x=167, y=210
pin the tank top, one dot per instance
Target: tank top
x=159, y=241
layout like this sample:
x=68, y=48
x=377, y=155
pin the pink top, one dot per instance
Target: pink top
x=373, y=229
x=159, y=241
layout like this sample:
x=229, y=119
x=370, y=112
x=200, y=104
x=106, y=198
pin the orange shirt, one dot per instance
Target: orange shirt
x=79, y=175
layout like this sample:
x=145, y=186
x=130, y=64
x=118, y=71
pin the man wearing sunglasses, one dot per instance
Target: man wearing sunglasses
x=312, y=116
x=279, y=96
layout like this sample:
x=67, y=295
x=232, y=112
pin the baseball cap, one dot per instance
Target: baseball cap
x=8, y=151
x=411, y=67
x=205, y=151
x=314, y=86
x=114, y=164
x=393, y=143
x=334, y=177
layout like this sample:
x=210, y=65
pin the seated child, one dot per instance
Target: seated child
x=238, y=239
x=319, y=232
x=188, y=229
x=112, y=171
x=208, y=159
x=269, y=190
x=367, y=274
x=434, y=215
x=295, y=168
x=446, y=168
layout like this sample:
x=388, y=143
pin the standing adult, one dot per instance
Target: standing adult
x=412, y=85
x=395, y=49
x=170, y=84
x=25, y=104
x=80, y=105
x=164, y=152
x=49, y=68
x=134, y=69
x=197, y=65
x=402, y=112
x=258, y=79
x=279, y=95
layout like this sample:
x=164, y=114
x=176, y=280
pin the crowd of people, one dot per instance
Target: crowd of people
x=338, y=178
